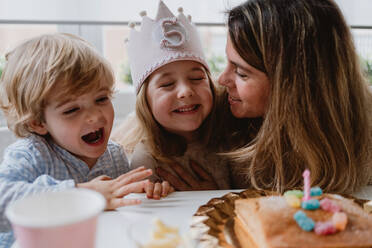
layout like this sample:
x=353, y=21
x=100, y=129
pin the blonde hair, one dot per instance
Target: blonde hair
x=316, y=117
x=162, y=144
x=34, y=68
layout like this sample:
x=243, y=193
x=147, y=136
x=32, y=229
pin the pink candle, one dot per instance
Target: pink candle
x=306, y=176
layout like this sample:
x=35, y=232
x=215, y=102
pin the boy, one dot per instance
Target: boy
x=56, y=95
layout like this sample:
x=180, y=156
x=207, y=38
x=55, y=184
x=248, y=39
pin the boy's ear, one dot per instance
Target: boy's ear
x=38, y=127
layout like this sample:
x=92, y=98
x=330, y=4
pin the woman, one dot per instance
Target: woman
x=293, y=64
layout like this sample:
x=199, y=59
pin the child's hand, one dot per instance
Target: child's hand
x=157, y=190
x=115, y=189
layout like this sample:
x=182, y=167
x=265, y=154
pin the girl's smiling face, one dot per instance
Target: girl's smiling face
x=180, y=97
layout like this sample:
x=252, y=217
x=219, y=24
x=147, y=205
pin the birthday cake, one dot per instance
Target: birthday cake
x=305, y=219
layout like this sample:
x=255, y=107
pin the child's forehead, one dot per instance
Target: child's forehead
x=178, y=67
x=186, y=65
x=64, y=97
x=73, y=88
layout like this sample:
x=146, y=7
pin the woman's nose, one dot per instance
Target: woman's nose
x=225, y=78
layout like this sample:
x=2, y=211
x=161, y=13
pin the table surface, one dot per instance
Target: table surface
x=128, y=226
x=131, y=224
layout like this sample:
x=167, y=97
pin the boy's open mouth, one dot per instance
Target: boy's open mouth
x=187, y=109
x=93, y=137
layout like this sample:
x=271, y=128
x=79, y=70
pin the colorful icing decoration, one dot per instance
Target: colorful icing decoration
x=293, y=201
x=299, y=215
x=306, y=223
x=328, y=205
x=297, y=193
x=324, y=228
x=311, y=204
x=316, y=191
x=338, y=221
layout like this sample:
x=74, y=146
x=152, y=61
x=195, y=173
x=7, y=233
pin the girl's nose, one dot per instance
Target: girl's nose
x=185, y=90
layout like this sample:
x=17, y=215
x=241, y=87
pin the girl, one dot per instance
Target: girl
x=175, y=103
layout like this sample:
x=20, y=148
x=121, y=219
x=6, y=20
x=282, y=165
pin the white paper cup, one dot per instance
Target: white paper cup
x=57, y=219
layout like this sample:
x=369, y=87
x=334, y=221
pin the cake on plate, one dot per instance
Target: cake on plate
x=306, y=219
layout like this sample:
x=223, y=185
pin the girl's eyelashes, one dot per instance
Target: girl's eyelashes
x=70, y=111
x=197, y=75
x=102, y=99
x=167, y=84
x=170, y=83
x=197, y=78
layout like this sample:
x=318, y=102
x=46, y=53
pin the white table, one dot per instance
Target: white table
x=125, y=226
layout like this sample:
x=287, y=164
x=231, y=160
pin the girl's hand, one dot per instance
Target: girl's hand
x=158, y=189
x=186, y=181
x=115, y=189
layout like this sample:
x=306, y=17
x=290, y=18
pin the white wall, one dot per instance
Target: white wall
x=357, y=12
x=108, y=10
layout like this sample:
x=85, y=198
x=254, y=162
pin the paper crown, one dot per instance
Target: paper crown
x=162, y=41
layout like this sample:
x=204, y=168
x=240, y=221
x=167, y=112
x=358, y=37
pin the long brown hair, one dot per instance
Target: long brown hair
x=316, y=117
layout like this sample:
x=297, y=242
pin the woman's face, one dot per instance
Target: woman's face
x=248, y=87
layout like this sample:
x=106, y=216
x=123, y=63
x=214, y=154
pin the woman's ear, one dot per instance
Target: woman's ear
x=38, y=127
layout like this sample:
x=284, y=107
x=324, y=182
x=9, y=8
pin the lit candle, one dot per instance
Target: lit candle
x=306, y=176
